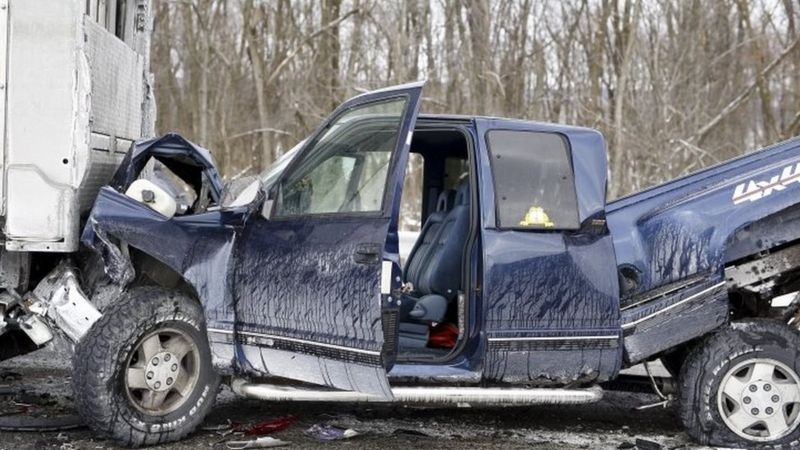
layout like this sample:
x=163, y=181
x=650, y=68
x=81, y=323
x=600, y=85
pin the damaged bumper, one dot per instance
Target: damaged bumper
x=64, y=303
x=57, y=303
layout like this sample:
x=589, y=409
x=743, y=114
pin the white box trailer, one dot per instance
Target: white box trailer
x=77, y=90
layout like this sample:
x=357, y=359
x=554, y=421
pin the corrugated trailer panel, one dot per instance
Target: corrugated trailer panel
x=117, y=94
x=117, y=83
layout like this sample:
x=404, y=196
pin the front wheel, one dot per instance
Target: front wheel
x=740, y=387
x=143, y=374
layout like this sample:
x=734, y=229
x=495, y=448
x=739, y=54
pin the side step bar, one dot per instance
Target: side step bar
x=429, y=395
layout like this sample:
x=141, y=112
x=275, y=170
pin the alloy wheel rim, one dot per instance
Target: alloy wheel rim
x=759, y=399
x=162, y=371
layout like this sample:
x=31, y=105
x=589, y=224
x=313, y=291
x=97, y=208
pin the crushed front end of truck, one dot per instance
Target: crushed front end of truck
x=173, y=178
x=170, y=175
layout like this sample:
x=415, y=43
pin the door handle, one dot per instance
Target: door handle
x=368, y=253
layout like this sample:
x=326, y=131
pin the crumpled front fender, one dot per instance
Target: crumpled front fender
x=116, y=219
x=198, y=247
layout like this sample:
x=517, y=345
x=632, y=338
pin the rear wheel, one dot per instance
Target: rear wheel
x=757, y=399
x=143, y=374
x=740, y=387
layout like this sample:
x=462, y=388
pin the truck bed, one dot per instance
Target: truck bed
x=682, y=228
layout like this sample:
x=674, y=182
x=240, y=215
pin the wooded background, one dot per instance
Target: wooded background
x=673, y=85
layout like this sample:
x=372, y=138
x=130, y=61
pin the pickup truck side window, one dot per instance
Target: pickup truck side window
x=533, y=180
x=345, y=170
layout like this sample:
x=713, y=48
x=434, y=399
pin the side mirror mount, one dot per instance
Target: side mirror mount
x=269, y=200
x=266, y=209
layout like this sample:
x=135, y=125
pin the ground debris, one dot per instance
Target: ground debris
x=262, y=442
x=26, y=422
x=218, y=427
x=409, y=432
x=330, y=433
x=644, y=444
x=265, y=427
x=8, y=375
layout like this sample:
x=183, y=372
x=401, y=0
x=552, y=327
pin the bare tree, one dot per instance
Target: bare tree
x=674, y=85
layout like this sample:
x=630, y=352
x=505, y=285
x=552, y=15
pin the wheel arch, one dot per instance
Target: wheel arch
x=171, y=253
x=762, y=261
x=151, y=270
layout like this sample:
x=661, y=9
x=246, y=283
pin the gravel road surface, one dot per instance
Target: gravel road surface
x=38, y=385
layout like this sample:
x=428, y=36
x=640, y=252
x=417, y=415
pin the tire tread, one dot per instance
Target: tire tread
x=712, y=352
x=93, y=363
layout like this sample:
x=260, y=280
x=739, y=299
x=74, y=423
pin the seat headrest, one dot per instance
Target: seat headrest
x=445, y=201
x=462, y=194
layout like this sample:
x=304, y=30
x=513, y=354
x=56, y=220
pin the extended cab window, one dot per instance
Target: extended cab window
x=345, y=170
x=533, y=178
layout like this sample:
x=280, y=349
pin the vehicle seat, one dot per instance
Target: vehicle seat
x=442, y=272
x=438, y=276
x=419, y=253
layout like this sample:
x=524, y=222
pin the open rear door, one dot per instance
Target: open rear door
x=550, y=290
x=313, y=280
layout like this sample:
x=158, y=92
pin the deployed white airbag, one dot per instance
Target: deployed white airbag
x=153, y=196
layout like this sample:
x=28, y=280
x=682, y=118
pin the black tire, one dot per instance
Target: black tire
x=101, y=360
x=707, y=365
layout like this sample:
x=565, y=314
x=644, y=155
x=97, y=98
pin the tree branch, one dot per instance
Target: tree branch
x=293, y=52
x=701, y=134
x=259, y=131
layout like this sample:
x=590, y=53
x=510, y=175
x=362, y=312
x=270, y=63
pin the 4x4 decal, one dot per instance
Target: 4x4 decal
x=753, y=190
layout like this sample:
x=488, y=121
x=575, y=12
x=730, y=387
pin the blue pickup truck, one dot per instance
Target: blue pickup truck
x=525, y=286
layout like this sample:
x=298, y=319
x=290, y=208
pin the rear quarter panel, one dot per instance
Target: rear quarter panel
x=672, y=243
x=683, y=227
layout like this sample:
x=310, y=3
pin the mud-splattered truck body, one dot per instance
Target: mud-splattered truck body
x=524, y=286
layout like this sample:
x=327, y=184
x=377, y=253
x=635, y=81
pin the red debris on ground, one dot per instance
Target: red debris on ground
x=265, y=427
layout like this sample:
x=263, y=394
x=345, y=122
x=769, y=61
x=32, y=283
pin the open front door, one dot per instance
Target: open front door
x=312, y=282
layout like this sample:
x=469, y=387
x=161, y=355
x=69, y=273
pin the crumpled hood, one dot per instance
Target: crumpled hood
x=175, y=152
x=114, y=215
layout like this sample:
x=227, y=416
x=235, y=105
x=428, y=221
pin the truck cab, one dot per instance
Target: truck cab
x=503, y=204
